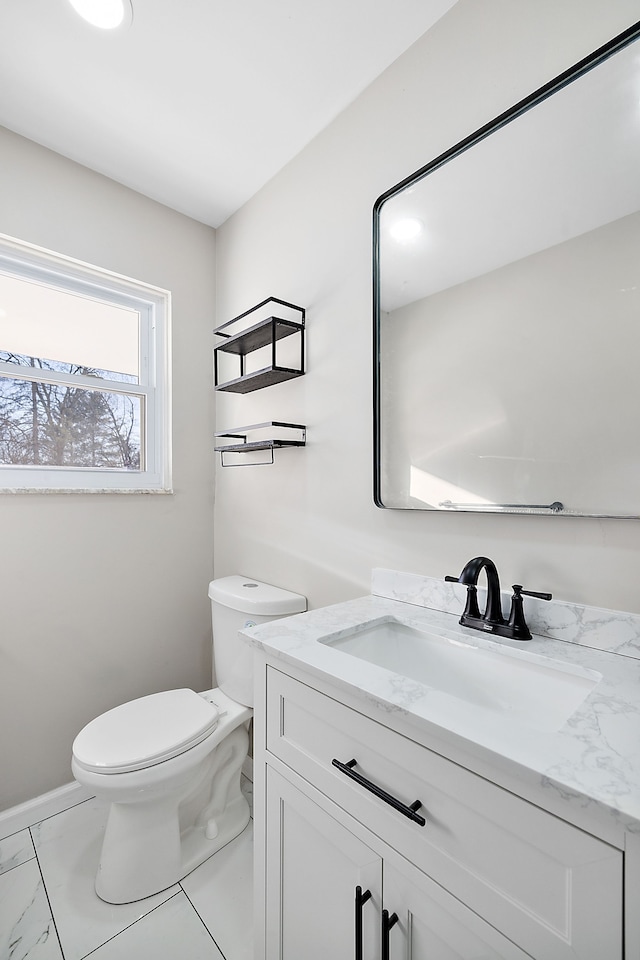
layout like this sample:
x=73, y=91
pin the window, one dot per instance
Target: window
x=84, y=376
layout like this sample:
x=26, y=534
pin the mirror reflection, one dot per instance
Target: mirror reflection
x=507, y=309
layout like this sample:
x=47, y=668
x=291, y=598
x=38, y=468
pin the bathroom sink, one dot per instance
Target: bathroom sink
x=533, y=690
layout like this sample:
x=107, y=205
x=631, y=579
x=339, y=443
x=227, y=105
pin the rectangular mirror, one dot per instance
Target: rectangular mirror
x=507, y=308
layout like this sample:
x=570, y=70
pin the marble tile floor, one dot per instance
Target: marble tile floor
x=50, y=911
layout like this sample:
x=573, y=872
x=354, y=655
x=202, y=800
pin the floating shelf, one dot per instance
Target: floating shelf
x=248, y=382
x=242, y=445
x=264, y=333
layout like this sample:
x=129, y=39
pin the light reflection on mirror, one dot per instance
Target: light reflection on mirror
x=429, y=489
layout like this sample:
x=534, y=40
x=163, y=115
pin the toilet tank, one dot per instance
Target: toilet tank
x=237, y=603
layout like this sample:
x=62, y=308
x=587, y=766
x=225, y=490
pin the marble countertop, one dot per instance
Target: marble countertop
x=591, y=762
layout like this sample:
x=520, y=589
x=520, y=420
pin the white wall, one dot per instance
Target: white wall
x=308, y=523
x=104, y=598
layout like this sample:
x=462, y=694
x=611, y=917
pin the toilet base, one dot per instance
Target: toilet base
x=151, y=844
x=114, y=887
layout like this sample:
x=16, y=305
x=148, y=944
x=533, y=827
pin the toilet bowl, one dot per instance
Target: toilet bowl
x=169, y=764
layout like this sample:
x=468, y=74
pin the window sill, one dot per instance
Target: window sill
x=67, y=490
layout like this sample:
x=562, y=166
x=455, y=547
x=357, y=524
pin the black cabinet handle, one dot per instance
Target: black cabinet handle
x=361, y=898
x=387, y=923
x=407, y=811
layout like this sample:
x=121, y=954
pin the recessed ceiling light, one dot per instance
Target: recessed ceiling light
x=406, y=229
x=106, y=14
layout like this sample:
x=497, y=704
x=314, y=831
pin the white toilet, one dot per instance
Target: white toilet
x=170, y=763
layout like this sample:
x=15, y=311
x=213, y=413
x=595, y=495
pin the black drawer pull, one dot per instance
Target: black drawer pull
x=361, y=898
x=407, y=811
x=387, y=923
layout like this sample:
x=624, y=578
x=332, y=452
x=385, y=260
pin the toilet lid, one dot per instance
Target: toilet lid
x=144, y=732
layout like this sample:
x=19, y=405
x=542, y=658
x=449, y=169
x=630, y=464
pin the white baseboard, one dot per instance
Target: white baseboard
x=47, y=805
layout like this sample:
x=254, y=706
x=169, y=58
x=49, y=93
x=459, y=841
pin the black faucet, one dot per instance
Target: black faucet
x=492, y=621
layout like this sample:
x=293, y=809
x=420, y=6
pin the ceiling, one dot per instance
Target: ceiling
x=198, y=103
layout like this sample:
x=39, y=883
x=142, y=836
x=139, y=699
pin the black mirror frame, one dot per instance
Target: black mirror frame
x=568, y=76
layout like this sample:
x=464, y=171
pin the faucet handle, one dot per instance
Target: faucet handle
x=518, y=629
x=531, y=593
x=517, y=625
x=471, y=607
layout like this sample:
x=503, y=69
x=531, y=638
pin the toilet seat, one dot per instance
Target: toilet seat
x=145, y=732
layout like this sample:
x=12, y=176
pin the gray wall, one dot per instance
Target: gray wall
x=104, y=597
x=308, y=523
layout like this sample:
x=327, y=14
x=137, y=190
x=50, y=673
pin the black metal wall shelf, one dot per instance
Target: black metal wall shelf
x=242, y=445
x=257, y=379
x=266, y=332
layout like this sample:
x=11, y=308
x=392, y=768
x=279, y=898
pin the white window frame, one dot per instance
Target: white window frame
x=29, y=262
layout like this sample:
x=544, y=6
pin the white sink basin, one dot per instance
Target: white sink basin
x=536, y=691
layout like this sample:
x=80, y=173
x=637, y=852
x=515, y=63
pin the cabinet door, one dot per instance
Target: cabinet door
x=313, y=867
x=429, y=924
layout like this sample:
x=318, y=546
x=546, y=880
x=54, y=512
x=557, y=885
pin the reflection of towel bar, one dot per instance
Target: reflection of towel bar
x=555, y=507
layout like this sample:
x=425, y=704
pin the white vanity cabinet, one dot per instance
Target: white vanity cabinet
x=326, y=877
x=488, y=876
